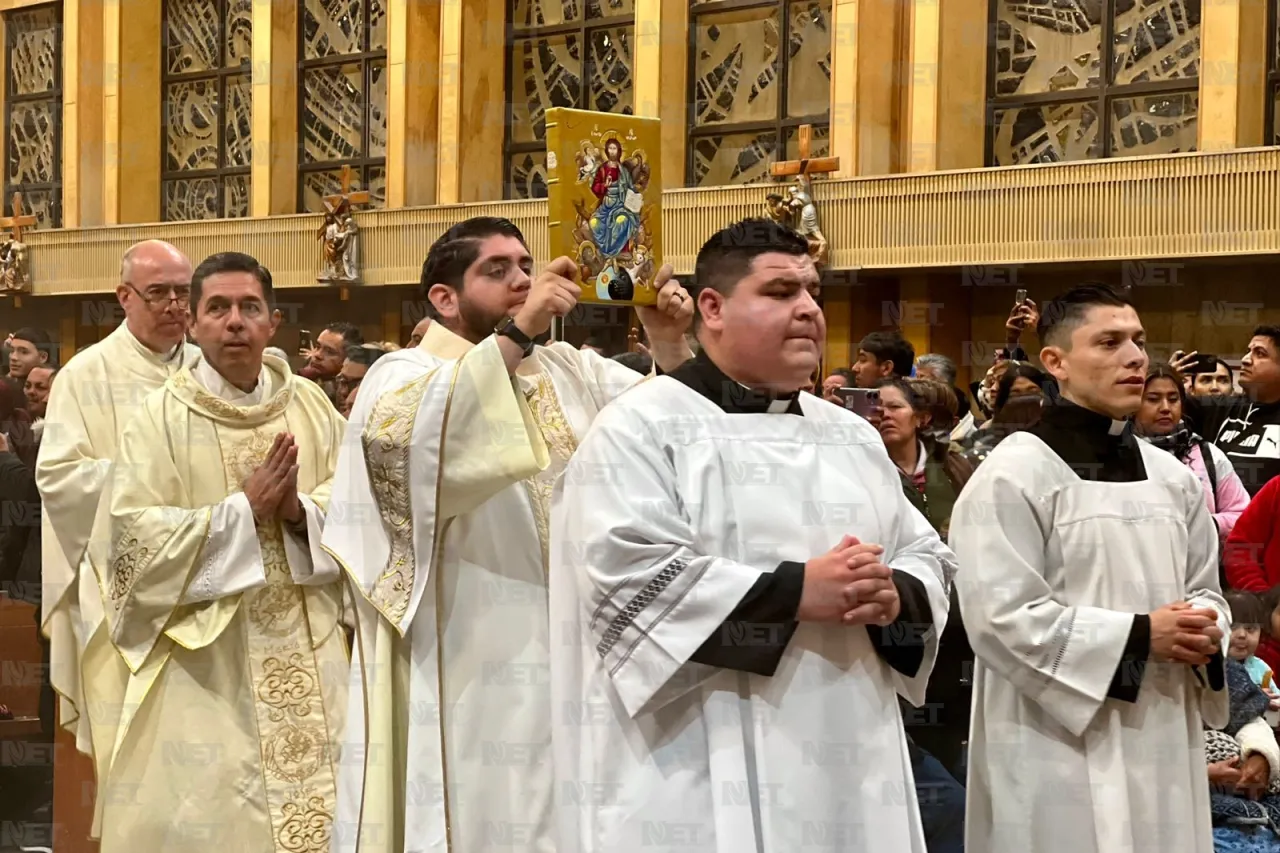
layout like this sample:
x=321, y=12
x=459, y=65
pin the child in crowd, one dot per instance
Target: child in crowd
x=1249, y=614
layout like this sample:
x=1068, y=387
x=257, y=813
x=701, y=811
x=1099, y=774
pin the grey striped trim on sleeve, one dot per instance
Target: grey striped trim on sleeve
x=636, y=606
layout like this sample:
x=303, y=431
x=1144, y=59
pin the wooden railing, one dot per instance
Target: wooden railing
x=1177, y=206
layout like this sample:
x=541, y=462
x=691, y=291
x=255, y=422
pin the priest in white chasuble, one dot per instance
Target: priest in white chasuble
x=1088, y=580
x=219, y=598
x=440, y=514
x=740, y=593
x=96, y=395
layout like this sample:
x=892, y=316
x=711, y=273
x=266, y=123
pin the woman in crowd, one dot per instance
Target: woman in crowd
x=916, y=418
x=1016, y=403
x=1160, y=422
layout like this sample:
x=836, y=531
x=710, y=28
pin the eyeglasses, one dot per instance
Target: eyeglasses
x=163, y=294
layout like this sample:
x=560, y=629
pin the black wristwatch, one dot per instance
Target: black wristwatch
x=508, y=329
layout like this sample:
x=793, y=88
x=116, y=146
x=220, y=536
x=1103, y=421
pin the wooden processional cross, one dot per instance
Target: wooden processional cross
x=14, y=225
x=335, y=203
x=805, y=168
x=806, y=165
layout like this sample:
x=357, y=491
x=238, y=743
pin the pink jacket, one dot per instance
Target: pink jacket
x=1231, y=499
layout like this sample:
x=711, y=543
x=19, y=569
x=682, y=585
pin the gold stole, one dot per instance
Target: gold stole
x=297, y=757
x=561, y=442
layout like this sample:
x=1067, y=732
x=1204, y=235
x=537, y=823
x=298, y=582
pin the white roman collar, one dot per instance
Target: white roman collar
x=215, y=384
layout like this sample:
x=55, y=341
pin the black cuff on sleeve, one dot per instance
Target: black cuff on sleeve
x=1216, y=669
x=1133, y=661
x=901, y=643
x=754, y=635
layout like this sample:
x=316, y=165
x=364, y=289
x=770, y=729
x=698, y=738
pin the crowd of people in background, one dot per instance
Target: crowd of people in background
x=1222, y=424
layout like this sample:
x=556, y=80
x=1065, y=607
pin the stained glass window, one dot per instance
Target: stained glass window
x=208, y=109
x=1273, y=75
x=561, y=53
x=33, y=112
x=1057, y=94
x=749, y=95
x=342, y=47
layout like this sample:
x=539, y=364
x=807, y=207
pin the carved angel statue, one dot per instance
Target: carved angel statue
x=15, y=277
x=339, y=246
x=798, y=212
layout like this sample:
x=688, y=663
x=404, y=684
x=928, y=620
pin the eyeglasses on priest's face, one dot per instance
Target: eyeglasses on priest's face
x=160, y=295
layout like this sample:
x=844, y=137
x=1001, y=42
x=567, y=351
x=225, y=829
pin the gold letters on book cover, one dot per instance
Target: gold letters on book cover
x=604, y=190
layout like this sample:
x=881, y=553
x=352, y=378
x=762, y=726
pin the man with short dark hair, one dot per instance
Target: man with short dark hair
x=28, y=347
x=595, y=344
x=359, y=360
x=457, y=446
x=883, y=355
x=1088, y=580
x=325, y=361
x=1247, y=428
x=222, y=602
x=744, y=590
x=36, y=390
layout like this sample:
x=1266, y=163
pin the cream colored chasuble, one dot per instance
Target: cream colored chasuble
x=94, y=397
x=230, y=629
x=440, y=512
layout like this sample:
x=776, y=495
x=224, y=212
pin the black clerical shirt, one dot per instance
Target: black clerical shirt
x=1100, y=449
x=767, y=613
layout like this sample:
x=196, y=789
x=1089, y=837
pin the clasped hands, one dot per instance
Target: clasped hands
x=849, y=585
x=1249, y=777
x=1181, y=633
x=272, y=488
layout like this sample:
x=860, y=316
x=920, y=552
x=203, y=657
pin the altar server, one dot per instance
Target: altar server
x=740, y=592
x=1088, y=580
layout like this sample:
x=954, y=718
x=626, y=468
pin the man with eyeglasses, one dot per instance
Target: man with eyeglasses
x=95, y=397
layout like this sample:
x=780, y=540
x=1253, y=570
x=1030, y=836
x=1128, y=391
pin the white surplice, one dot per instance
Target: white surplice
x=439, y=513
x=1052, y=570
x=229, y=628
x=670, y=511
x=95, y=397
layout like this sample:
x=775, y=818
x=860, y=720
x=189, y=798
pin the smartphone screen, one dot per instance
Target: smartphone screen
x=1020, y=297
x=861, y=401
x=304, y=339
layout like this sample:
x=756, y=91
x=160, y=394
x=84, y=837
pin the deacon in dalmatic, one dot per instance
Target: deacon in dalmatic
x=1089, y=584
x=95, y=397
x=219, y=598
x=455, y=447
x=742, y=591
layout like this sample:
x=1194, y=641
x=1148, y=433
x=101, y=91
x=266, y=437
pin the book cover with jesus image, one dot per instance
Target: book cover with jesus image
x=604, y=202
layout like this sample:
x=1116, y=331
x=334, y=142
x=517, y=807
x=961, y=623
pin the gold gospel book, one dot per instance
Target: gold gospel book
x=604, y=204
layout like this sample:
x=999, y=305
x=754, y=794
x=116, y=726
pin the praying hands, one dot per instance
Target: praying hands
x=1184, y=634
x=849, y=584
x=272, y=489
